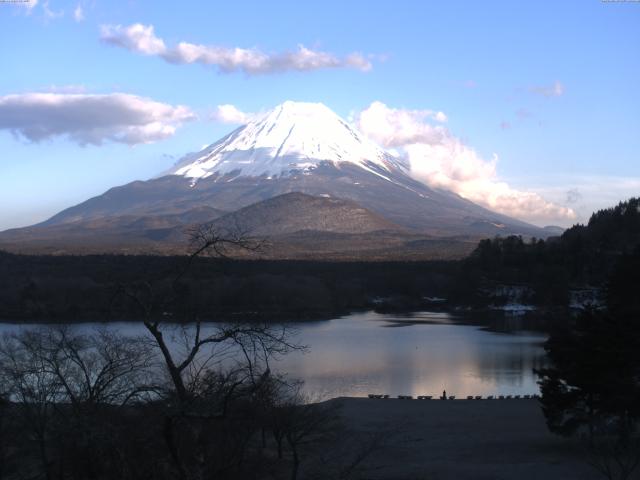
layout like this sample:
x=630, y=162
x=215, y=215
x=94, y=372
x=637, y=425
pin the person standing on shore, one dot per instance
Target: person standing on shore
x=444, y=395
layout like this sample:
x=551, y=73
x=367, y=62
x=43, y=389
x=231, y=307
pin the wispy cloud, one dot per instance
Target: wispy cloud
x=45, y=9
x=141, y=39
x=78, y=13
x=49, y=13
x=555, y=90
x=523, y=114
x=90, y=118
x=441, y=160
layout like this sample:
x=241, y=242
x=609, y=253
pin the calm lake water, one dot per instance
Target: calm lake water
x=411, y=354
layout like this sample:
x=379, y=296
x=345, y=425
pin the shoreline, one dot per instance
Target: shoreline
x=460, y=314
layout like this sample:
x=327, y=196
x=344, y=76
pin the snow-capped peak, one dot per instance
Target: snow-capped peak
x=293, y=137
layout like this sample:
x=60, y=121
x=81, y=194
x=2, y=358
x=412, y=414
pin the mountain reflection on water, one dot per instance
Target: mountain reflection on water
x=414, y=354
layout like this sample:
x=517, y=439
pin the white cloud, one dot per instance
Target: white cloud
x=137, y=38
x=78, y=13
x=393, y=127
x=440, y=117
x=441, y=160
x=90, y=118
x=230, y=114
x=584, y=193
x=142, y=39
x=555, y=90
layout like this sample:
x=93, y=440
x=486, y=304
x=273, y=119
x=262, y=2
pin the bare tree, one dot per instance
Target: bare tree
x=301, y=424
x=347, y=458
x=4, y=435
x=63, y=384
x=32, y=387
x=83, y=369
x=615, y=459
x=251, y=345
x=210, y=367
x=210, y=239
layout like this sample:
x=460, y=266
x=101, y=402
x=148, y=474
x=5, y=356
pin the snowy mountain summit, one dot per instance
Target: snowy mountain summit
x=294, y=137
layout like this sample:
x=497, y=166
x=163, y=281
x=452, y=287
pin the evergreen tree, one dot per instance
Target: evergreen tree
x=592, y=382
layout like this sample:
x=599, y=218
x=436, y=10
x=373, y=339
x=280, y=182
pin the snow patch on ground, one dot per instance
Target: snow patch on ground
x=582, y=298
x=514, y=308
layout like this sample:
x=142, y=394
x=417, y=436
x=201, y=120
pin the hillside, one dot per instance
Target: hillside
x=584, y=256
x=295, y=212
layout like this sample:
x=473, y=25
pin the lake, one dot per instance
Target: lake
x=403, y=354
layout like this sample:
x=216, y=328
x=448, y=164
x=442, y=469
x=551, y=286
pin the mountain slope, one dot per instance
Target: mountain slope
x=398, y=198
x=296, y=212
x=114, y=230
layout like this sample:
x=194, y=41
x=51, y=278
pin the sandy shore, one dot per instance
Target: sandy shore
x=464, y=439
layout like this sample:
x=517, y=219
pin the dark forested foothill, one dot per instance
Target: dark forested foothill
x=546, y=273
x=82, y=288
x=583, y=256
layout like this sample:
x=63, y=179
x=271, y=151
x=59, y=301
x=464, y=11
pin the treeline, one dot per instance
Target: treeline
x=85, y=288
x=583, y=255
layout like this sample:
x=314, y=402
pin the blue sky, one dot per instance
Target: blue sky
x=551, y=88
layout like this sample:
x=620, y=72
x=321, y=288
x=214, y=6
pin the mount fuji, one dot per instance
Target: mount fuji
x=303, y=148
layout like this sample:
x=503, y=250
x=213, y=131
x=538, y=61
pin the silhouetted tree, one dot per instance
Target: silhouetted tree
x=301, y=424
x=592, y=383
x=63, y=389
x=592, y=379
x=217, y=375
x=582, y=255
x=615, y=460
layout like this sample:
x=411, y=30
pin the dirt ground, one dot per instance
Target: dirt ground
x=463, y=439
